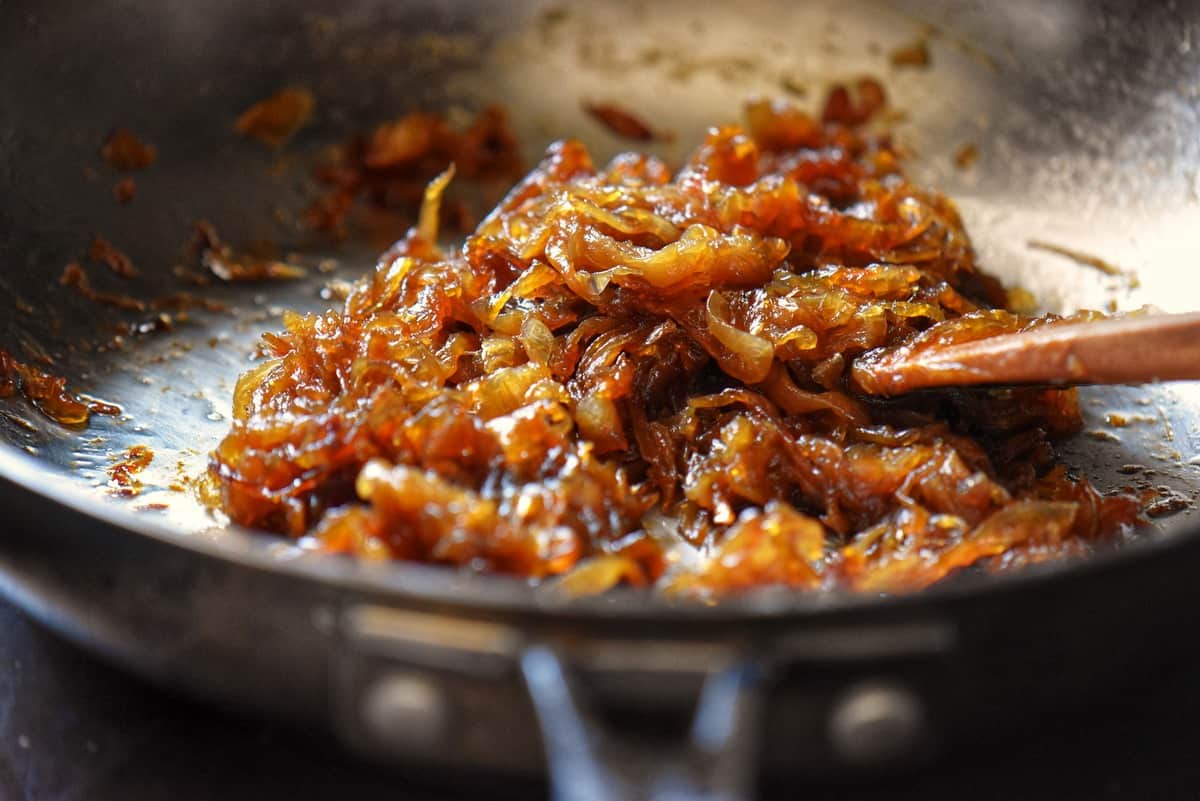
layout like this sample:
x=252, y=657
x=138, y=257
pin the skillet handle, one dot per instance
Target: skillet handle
x=589, y=762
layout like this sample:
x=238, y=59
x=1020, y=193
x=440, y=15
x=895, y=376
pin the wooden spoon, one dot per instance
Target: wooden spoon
x=1127, y=350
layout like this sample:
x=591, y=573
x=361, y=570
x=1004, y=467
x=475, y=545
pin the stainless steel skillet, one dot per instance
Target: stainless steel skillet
x=1085, y=117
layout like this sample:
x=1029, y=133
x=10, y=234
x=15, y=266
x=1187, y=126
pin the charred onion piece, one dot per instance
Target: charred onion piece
x=124, y=151
x=620, y=122
x=276, y=119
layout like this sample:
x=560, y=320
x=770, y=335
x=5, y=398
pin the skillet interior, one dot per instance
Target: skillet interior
x=1084, y=118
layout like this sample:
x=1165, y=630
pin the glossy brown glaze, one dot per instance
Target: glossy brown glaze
x=48, y=393
x=122, y=475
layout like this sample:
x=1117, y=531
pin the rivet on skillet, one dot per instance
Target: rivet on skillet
x=875, y=724
x=407, y=710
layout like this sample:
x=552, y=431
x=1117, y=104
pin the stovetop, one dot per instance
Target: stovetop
x=75, y=729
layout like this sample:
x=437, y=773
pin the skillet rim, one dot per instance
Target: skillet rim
x=468, y=593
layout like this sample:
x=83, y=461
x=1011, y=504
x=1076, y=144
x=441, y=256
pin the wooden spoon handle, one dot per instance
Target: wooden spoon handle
x=1128, y=350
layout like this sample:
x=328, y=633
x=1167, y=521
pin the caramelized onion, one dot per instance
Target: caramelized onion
x=751, y=356
x=625, y=376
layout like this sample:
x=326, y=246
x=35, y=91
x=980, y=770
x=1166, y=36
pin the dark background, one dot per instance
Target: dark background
x=72, y=728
